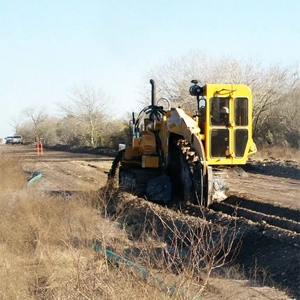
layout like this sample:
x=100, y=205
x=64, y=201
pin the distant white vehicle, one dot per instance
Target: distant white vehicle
x=16, y=139
x=7, y=140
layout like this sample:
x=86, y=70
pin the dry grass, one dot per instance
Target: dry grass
x=54, y=248
x=277, y=152
x=47, y=253
x=12, y=176
x=47, y=247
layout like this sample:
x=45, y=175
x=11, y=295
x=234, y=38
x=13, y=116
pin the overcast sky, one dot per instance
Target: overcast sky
x=49, y=46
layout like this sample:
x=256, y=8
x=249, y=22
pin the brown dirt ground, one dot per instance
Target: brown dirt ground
x=272, y=181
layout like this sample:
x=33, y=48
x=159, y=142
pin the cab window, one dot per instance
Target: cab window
x=241, y=111
x=216, y=105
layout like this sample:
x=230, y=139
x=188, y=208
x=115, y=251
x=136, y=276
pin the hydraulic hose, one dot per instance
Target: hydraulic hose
x=169, y=289
x=35, y=176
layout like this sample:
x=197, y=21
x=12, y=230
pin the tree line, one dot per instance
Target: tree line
x=88, y=121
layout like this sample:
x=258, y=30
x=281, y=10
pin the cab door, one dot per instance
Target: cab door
x=219, y=128
x=228, y=138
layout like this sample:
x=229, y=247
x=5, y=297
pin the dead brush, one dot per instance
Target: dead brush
x=12, y=177
x=180, y=256
x=277, y=152
x=40, y=240
x=199, y=250
x=47, y=250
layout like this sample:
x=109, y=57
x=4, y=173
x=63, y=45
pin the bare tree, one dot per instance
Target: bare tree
x=87, y=113
x=270, y=85
x=16, y=123
x=281, y=123
x=270, y=89
x=37, y=117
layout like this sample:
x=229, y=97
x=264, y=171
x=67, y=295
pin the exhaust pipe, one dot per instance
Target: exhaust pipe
x=153, y=92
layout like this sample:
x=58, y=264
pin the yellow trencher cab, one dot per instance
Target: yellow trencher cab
x=226, y=122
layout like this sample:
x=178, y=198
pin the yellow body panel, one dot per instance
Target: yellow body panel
x=135, y=143
x=147, y=144
x=150, y=161
x=130, y=153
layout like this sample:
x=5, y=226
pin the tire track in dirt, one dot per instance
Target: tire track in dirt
x=265, y=218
